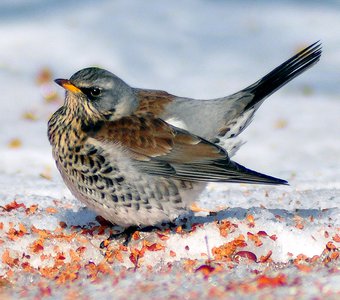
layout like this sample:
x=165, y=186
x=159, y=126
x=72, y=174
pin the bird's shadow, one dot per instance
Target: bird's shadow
x=239, y=213
x=87, y=218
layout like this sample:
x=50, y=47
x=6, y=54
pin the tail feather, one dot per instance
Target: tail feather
x=284, y=73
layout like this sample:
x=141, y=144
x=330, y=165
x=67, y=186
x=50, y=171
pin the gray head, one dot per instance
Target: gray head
x=104, y=91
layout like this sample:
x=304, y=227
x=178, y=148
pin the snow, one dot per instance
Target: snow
x=202, y=49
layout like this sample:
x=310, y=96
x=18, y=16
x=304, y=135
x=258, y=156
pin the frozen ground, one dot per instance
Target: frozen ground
x=49, y=243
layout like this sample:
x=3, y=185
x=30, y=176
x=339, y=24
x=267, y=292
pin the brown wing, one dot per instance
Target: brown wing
x=147, y=137
x=158, y=148
x=152, y=102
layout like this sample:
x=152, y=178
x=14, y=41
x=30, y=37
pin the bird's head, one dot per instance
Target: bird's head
x=99, y=92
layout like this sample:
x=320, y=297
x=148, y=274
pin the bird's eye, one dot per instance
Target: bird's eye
x=95, y=92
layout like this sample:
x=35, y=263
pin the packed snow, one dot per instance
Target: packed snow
x=244, y=240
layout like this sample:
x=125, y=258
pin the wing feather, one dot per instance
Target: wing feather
x=159, y=148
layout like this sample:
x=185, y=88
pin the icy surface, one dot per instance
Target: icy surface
x=202, y=49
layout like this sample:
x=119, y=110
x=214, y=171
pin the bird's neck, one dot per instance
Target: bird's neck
x=69, y=128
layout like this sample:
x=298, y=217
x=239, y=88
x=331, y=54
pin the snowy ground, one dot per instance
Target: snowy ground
x=49, y=243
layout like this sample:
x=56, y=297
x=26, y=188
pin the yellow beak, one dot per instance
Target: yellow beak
x=67, y=85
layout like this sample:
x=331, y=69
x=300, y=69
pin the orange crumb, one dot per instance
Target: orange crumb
x=49, y=272
x=12, y=234
x=336, y=238
x=37, y=245
x=44, y=76
x=60, y=256
x=106, y=243
x=189, y=264
x=92, y=270
x=135, y=255
x=27, y=267
x=304, y=268
x=225, y=251
x=30, y=115
x=206, y=270
x=225, y=227
x=279, y=218
x=62, y=224
x=301, y=257
x=43, y=233
x=123, y=248
x=44, y=256
x=330, y=246
x=104, y=268
x=265, y=281
x=149, y=267
x=74, y=256
x=15, y=143
x=114, y=254
x=8, y=260
x=273, y=237
x=13, y=205
x=22, y=228
x=195, y=208
x=251, y=220
x=255, y=238
x=81, y=250
x=335, y=255
x=45, y=291
x=299, y=222
x=179, y=229
x=163, y=237
x=32, y=209
x=265, y=258
x=155, y=247
x=67, y=237
x=51, y=210
x=81, y=239
x=10, y=273
x=136, y=235
x=67, y=276
x=216, y=293
x=4, y=283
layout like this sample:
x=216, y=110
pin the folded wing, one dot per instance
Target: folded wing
x=158, y=148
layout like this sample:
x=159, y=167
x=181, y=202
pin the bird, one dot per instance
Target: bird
x=140, y=157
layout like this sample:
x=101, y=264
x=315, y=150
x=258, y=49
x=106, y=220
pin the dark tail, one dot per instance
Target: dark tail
x=284, y=73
